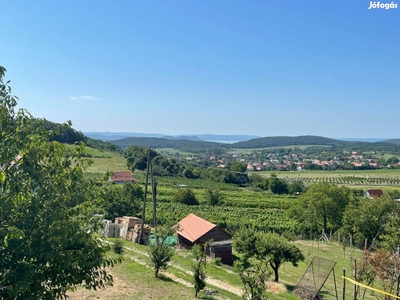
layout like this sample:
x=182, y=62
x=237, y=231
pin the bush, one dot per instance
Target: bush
x=289, y=235
x=217, y=261
x=185, y=196
x=118, y=246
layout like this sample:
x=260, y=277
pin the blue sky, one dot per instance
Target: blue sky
x=267, y=68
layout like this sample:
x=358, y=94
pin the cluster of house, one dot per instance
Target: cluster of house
x=298, y=162
x=189, y=231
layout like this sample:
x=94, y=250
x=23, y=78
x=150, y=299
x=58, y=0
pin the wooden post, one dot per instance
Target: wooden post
x=153, y=194
x=144, y=196
x=334, y=280
x=355, y=279
x=344, y=284
x=365, y=245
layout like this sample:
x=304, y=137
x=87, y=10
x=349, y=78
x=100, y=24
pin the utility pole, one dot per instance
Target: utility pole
x=153, y=193
x=145, y=195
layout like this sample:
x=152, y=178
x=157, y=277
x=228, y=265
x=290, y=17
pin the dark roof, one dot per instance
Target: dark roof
x=193, y=227
x=122, y=176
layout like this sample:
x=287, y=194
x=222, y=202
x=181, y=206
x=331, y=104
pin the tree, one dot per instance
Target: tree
x=199, y=275
x=136, y=157
x=278, y=250
x=185, y=196
x=277, y=186
x=366, y=218
x=188, y=173
x=391, y=236
x=270, y=247
x=392, y=160
x=322, y=206
x=161, y=253
x=244, y=242
x=295, y=187
x=48, y=234
x=120, y=201
x=387, y=269
x=253, y=274
x=213, y=197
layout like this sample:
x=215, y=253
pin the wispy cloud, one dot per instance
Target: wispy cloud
x=84, y=98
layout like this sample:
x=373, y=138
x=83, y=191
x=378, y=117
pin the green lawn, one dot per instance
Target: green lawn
x=104, y=161
x=140, y=274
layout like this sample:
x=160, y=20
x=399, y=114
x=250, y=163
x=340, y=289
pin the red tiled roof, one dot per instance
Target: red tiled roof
x=193, y=227
x=122, y=176
x=375, y=193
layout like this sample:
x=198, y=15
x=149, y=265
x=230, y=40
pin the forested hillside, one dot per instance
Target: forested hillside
x=393, y=141
x=65, y=134
x=279, y=141
x=183, y=145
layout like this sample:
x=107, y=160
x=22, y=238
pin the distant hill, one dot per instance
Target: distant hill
x=266, y=142
x=183, y=137
x=369, y=140
x=393, y=141
x=184, y=145
x=226, y=138
x=280, y=141
x=108, y=136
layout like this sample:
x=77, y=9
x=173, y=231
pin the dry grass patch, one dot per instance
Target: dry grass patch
x=275, y=287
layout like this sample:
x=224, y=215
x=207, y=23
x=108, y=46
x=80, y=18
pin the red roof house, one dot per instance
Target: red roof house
x=122, y=177
x=193, y=230
x=373, y=194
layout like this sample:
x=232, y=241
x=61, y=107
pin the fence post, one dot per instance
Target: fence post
x=355, y=278
x=344, y=284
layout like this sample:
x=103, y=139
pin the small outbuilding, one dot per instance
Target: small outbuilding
x=122, y=177
x=193, y=230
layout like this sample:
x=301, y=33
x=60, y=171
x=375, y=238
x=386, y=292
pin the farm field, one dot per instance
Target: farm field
x=381, y=178
x=339, y=173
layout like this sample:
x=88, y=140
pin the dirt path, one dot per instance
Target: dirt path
x=209, y=280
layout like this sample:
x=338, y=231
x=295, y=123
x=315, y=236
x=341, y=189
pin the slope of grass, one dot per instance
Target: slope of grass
x=103, y=161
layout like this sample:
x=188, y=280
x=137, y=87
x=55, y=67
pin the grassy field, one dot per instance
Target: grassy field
x=134, y=279
x=104, y=161
x=173, y=152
